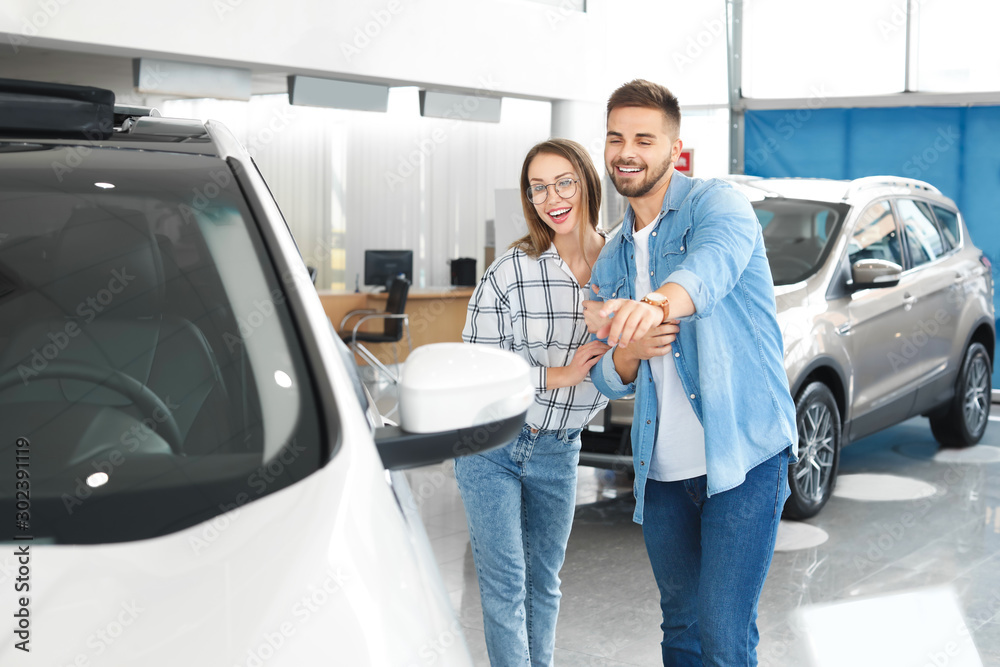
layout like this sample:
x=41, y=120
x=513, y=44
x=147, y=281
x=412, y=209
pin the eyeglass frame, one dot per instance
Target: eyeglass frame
x=575, y=181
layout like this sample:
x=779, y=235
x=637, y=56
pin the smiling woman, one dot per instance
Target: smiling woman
x=529, y=302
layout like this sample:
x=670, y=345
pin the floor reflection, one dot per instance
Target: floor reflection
x=853, y=576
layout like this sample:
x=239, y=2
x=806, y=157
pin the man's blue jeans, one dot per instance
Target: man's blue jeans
x=710, y=557
x=519, y=501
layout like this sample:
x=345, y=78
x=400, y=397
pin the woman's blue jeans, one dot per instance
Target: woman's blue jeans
x=710, y=557
x=519, y=501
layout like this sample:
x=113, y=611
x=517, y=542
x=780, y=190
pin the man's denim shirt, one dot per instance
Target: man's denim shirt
x=729, y=354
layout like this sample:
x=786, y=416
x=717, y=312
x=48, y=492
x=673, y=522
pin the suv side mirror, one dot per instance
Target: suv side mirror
x=874, y=273
x=456, y=399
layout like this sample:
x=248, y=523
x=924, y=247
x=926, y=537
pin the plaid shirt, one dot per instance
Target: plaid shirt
x=534, y=308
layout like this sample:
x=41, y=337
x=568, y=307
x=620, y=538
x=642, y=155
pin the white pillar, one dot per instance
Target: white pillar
x=585, y=122
x=582, y=122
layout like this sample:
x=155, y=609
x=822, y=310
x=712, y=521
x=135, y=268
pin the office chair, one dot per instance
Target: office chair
x=396, y=322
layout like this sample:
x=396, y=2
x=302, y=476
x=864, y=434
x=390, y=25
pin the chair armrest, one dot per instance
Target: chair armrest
x=380, y=315
x=352, y=314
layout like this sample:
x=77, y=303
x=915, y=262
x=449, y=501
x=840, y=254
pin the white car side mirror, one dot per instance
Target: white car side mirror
x=456, y=399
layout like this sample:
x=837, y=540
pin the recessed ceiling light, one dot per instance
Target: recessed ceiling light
x=97, y=479
x=282, y=378
x=105, y=186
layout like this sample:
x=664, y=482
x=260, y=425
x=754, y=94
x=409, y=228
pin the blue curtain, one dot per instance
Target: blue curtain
x=956, y=149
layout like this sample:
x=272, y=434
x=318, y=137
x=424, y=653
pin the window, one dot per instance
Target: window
x=923, y=242
x=146, y=349
x=949, y=225
x=796, y=234
x=875, y=236
x=829, y=54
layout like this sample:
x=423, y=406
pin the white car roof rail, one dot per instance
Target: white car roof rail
x=859, y=184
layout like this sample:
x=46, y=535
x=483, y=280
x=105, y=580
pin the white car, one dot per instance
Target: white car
x=188, y=475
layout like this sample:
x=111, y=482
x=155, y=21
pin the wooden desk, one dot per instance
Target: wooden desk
x=437, y=315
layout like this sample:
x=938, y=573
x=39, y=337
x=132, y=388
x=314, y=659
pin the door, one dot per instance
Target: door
x=878, y=319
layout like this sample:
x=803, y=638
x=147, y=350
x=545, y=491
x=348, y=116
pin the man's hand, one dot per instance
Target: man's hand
x=656, y=343
x=631, y=321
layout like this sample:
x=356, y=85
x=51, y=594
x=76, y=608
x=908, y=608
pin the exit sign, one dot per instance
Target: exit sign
x=685, y=162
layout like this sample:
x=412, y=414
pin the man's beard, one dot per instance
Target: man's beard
x=641, y=188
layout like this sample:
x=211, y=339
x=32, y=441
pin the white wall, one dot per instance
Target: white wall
x=347, y=181
x=513, y=47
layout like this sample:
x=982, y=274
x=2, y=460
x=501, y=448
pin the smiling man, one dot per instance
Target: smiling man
x=684, y=294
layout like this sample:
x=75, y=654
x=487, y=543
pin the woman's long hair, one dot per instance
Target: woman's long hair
x=539, y=236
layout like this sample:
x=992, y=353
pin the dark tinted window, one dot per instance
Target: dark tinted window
x=796, y=235
x=923, y=241
x=875, y=236
x=948, y=221
x=146, y=351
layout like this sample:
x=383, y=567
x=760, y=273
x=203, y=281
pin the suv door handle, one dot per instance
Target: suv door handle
x=844, y=329
x=908, y=301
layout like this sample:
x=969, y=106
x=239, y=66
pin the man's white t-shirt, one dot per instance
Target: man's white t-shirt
x=679, y=450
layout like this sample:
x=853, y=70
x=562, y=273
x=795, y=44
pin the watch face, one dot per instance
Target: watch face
x=656, y=296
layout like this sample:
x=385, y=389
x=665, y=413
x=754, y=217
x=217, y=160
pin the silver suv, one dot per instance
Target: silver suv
x=886, y=309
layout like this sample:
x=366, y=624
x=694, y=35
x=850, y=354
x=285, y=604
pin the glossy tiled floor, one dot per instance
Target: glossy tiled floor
x=900, y=568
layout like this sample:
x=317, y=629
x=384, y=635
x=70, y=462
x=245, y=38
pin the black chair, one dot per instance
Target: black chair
x=396, y=323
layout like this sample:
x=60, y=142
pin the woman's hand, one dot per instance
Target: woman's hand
x=592, y=316
x=585, y=358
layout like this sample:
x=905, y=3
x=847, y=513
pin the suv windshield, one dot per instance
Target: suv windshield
x=798, y=235
x=149, y=372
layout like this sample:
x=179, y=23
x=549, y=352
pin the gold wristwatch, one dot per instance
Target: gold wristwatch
x=660, y=301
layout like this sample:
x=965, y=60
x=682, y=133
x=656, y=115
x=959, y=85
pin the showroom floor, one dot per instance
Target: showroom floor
x=899, y=568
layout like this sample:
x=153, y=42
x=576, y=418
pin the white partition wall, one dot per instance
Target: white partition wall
x=348, y=181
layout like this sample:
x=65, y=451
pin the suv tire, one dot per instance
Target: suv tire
x=965, y=418
x=812, y=479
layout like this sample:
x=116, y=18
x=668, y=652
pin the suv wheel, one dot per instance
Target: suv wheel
x=812, y=479
x=964, y=421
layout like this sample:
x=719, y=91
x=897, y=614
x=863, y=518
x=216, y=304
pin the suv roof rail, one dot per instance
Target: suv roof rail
x=125, y=111
x=859, y=184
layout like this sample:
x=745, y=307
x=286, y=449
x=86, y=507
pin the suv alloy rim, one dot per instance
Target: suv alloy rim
x=976, y=410
x=812, y=475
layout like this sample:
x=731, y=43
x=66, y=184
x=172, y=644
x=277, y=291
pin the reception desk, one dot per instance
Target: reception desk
x=436, y=315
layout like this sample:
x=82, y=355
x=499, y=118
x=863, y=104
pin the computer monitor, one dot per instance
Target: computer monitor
x=381, y=266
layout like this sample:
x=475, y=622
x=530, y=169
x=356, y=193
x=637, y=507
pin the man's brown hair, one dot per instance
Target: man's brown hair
x=648, y=95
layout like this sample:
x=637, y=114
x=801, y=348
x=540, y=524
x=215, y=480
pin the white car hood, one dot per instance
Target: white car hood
x=323, y=572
